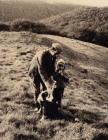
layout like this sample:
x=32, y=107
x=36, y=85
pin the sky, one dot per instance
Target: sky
x=98, y=3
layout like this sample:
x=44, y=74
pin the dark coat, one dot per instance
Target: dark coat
x=42, y=66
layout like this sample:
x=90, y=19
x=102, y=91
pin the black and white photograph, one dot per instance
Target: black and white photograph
x=53, y=69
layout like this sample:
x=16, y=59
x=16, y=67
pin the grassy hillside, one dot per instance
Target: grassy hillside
x=85, y=103
x=11, y=10
x=86, y=24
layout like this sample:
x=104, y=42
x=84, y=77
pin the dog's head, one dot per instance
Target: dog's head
x=44, y=95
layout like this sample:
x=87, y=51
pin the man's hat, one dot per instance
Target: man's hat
x=57, y=47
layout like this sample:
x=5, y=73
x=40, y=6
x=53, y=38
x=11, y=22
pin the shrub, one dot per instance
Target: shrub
x=36, y=27
x=4, y=26
x=27, y=25
x=52, y=31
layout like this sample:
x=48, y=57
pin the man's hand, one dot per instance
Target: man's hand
x=51, y=85
x=50, y=95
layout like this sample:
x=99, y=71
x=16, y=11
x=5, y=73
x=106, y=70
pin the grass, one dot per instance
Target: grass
x=84, y=106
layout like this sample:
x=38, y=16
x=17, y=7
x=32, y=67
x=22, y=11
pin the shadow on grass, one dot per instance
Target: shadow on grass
x=68, y=114
x=82, y=115
x=25, y=137
x=101, y=137
x=102, y=125
x=76, y=115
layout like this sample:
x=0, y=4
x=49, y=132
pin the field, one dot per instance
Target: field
x=85, y=103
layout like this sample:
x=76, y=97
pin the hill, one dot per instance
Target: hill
x=78, y=22
x=85, y=101
x=85, y=23
x=33, y=10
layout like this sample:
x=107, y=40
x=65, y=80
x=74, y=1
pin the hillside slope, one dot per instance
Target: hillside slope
x=84, y=23
x=34, y=10
x=85, y=101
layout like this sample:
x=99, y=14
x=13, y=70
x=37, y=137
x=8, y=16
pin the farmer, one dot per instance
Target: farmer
x=42, y=69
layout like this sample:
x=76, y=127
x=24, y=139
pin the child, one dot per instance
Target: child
x=61, y=80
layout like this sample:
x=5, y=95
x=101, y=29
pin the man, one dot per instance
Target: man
x=42, y=69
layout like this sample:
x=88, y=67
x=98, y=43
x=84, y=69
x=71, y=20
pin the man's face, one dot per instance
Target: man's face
x=56, y=54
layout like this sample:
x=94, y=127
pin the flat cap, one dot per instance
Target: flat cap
x=57, y=47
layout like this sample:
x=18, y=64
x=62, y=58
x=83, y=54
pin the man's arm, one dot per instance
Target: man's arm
x=48, y=80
